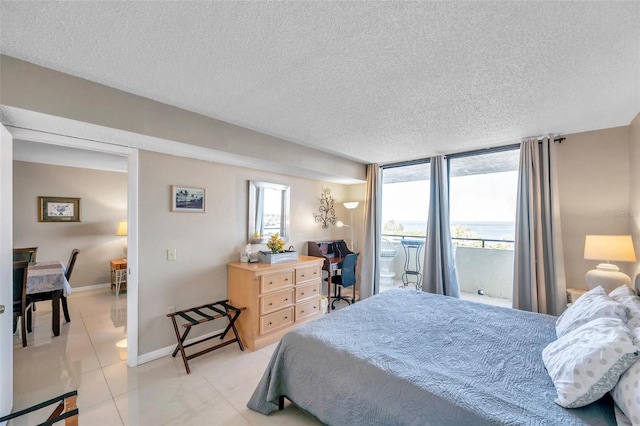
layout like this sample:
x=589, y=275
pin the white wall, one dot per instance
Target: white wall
x=634, y=190
x=103, y=203
x=594, y=182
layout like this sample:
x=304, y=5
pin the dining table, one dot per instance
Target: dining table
x=49, y=277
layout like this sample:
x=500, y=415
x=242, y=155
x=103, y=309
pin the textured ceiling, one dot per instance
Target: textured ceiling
x=372, y=81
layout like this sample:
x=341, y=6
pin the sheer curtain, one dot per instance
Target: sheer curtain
x=369, y=269
x=539, y=278
x=440, y=274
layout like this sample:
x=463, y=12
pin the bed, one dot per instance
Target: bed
x=406, y=357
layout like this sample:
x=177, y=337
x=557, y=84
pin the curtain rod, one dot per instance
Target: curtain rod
x=464, y=154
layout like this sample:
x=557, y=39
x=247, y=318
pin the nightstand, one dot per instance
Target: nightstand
x=118, y=274
x=573, y=294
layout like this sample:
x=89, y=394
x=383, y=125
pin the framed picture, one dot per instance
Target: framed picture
x=187, y=199
x=58, y=209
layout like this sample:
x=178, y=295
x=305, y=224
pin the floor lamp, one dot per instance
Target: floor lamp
x=349, y=206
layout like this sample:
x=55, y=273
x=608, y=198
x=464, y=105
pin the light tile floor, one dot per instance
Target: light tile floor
x=84, y=357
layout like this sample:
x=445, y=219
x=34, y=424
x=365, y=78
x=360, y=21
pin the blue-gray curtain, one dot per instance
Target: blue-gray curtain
x=369, y=268
x=440, y=274
x=539, y=283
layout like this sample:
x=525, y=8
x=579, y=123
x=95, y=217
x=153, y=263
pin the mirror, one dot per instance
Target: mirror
x=268, y=211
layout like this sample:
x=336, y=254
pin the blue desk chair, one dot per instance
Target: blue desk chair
x=347, y=278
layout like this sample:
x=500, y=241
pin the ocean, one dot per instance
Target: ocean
x=486, y=230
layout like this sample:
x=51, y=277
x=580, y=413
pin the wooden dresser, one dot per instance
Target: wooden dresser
x=278, y=297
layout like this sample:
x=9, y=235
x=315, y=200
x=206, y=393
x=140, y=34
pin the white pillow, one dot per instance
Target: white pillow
x=626, y=296
x=620, y=293
x=586, y=363
x=593, y=304
x=621, y=418
x=626, y=393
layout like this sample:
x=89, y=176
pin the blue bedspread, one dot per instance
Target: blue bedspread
x=407, y=357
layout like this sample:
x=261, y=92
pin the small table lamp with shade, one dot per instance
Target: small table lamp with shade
x=617, y=248
x=122, y=232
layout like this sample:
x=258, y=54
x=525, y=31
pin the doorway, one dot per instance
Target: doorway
x=22, y=125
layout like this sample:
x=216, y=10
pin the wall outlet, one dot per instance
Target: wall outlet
x=171, y=254
x=171, y=309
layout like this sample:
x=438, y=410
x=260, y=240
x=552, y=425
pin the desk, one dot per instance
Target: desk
x=118, y=273
x=333, y=252
x=48, y=277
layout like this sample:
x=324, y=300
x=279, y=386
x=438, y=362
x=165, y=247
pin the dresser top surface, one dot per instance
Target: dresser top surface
x=260, y=266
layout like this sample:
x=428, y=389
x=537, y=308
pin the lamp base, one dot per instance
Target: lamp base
x=608, y=276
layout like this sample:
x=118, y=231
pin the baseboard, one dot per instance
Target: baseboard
x=168, y=350
x=90, y=287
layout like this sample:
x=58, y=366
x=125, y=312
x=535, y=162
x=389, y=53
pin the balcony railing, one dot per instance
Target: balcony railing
x=482, y=264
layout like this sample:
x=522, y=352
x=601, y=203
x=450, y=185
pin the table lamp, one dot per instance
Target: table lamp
x=122, y=232
x=608, y=248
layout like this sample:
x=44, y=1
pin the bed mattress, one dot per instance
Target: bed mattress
x=407, y=357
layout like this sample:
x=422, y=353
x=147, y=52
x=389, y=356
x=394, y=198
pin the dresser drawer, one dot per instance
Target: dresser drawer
x=307, y=309
x=276, y=320
x=307, y=274
x=277, y=281
x=307, y=291
x=275, y=301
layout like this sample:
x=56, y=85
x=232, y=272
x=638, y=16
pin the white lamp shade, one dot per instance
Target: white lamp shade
x=617, y=248
x=122, y=229
x=609, y=247
x=351, y=205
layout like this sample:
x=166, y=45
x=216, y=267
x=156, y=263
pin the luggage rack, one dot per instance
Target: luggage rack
x=220, y=309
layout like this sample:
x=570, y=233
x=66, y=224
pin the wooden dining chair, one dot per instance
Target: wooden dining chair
x=25, y=253
x=67, y=273
x=39, y=297
x=22, y=306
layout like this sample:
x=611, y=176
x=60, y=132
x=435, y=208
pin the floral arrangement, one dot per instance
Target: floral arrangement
x=275, y=243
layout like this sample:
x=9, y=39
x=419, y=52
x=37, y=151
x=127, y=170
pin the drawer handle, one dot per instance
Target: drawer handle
x=315, y=289
x=270, y=323
x=286, y=317
x=286, y=300
x=270, y=282
x=302, y=275
x=303, y=293
x=302, y=312
x=271, y=304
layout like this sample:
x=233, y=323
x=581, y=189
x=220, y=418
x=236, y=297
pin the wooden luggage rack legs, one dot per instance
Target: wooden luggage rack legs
x=218, y=310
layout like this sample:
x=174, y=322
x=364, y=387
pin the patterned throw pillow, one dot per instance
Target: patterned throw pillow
x=628, y=298
x=621, y=292
x=593, y=304
x=586, y=363
x=626, y=393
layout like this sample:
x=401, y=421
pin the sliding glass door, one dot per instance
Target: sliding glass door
x=482, y=204
x=405, y=203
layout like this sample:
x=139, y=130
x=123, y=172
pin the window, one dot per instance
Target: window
x=482, y=205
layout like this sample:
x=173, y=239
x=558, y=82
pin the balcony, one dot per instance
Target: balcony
x=485, y=267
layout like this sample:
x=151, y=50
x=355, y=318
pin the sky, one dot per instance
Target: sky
x=474, y=198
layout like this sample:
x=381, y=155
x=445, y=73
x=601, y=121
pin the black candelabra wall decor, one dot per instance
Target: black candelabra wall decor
x=327, y=213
